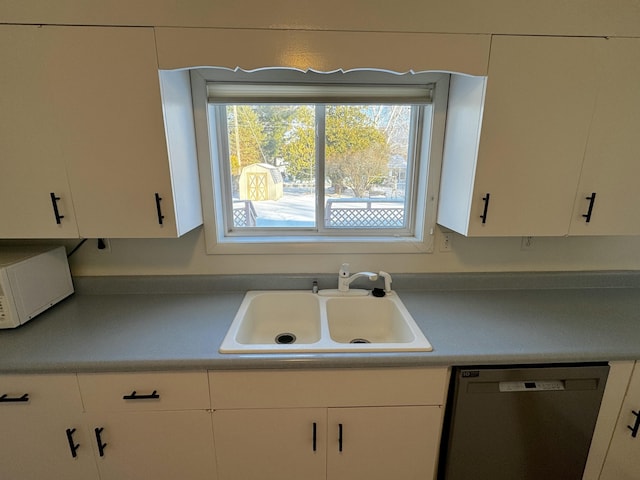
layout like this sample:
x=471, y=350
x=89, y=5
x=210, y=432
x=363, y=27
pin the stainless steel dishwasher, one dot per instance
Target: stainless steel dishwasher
x=521, y=422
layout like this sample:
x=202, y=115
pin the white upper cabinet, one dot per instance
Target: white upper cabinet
x=91, y=101
x=31, y=163
x=114, y=141
x=611, y=168
x=515, y=140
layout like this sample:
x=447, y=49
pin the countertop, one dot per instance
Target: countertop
x=179, y=323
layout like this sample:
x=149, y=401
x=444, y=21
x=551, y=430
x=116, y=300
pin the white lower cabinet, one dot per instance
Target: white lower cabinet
x=150, y=425
x=153, y=445
x=336, y=443
x=622, y=461
x=271, y=443
x=340, y=424
x=43, y=434
x=379, y=443
x=334, y=425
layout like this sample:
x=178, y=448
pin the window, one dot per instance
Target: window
x=313, y=158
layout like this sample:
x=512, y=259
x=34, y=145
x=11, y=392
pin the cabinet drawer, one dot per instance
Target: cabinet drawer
x=328, y=388
x=40, y=393
x=144, y=391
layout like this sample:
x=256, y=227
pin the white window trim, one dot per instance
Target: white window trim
x=430, y=162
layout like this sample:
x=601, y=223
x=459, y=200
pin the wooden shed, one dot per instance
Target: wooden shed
x=261, y=181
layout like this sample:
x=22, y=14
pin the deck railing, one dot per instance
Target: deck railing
x=244, y=213
x=339, y=213
x=364, y=213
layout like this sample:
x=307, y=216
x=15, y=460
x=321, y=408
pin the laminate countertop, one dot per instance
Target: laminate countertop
x=511, y=320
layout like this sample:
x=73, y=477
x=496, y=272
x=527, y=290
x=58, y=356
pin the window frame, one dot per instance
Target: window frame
x=422, y=211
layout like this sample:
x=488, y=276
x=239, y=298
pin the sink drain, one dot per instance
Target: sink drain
x=285, y=338
x=359, y=340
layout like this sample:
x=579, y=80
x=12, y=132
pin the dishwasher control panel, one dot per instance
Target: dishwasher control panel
x=531, y=386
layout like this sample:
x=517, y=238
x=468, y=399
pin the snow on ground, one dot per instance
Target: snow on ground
x=294, y=209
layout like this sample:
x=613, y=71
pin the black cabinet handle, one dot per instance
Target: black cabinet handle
x=101, y=446
x=592, y=199
x=485, y=199
x=636, y=426
x=315, y=427
x=56, y=212
x=72, y=445
x=339, y=437
x=159, y=209
x=134, y=396
x=6, y=399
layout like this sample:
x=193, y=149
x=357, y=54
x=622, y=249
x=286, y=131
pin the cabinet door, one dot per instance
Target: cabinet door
x=154, y=445
x=379, y=443
x=107, y=99
x=36, y=447
x=539, y=104
x=524, y=150
x=43, y=433
x=271, y=444
x=612, y=159
x=622, y=461
x=31, y=159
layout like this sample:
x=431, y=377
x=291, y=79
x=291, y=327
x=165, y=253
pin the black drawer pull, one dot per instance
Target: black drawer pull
x=339, y=437
x=73, y=446
x=592, y=200
x=134, y=396
x=56, y=212
x=101, y=446
x=636, y=426
x=5, y=398
x=485, y=199
x=315, y=427
x=159, y=209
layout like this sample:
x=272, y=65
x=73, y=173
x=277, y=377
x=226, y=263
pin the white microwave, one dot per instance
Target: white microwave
x=32, y=279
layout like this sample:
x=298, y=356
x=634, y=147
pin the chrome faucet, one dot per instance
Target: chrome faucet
x=344, y=280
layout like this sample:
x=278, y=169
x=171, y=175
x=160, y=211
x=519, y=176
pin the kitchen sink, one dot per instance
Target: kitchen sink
x=279, y=317
x=291, y=321
x=368, y=320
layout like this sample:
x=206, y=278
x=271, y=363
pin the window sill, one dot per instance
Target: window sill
x=319, y=245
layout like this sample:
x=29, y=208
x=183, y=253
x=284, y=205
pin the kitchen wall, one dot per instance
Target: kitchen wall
x=187, y=255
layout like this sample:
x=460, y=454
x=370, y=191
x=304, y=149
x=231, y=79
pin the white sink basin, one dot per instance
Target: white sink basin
x=368, y=320
x=300, y=321
x=278, y=317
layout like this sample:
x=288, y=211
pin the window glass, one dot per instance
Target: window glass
x=366, y=159
x=272, y=165
x=284, y=161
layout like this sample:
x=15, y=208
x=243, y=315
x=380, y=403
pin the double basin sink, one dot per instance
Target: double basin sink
x=300, y=321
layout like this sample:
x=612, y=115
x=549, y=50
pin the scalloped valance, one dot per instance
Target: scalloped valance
x=325, y=51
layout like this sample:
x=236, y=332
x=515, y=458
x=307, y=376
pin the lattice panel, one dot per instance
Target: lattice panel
x=366, y=218
x=244, y=214
x=239, y=217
